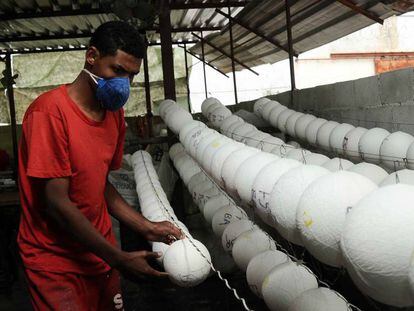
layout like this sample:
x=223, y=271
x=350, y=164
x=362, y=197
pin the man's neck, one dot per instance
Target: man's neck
x=82, y=94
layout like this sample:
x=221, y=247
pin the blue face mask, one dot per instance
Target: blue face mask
x=112, y=93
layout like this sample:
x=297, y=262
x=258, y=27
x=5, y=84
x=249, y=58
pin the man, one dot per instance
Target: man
x=72, y=136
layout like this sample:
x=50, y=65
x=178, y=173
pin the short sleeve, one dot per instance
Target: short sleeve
x=119, y=152
x=47, y=146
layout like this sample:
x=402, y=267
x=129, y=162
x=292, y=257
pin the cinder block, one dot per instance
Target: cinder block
x=403, y=116
x=344, y=94
x=397, y=86
x=367, y=93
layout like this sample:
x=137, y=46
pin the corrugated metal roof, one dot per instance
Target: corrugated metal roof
x=314, y=23
x=31, y=24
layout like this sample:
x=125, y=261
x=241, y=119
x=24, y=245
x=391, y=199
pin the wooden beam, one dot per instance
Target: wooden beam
x=350, y=4
x=207, y=5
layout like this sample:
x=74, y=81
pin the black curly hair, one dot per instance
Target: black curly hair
x=114, y=35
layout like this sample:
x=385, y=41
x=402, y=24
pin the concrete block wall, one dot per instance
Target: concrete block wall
x=385, y=100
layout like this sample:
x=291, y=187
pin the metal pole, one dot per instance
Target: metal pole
x=147, y=94
x=186, y=78
x=166, y=50
x=233, y=67
x=10, y=95
x=290, y=47
x=204, y=64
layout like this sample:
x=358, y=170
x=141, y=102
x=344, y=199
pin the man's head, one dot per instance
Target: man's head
x=116, y=49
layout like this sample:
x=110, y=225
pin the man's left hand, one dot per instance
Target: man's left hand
x=164, y=231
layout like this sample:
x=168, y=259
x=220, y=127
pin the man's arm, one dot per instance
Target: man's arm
x=152, y=231
x=62, y=210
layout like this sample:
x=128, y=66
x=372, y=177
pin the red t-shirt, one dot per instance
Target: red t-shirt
x=59, y=140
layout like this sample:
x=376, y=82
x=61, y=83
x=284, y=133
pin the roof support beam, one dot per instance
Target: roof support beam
x=290, y=43
x=207, y=5
x=350, y=4
x=256, y=32
x=208, y=64
x=224, y=53
x=47, y=13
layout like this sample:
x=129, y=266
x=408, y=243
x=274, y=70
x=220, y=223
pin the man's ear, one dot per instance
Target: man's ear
x=92, y=54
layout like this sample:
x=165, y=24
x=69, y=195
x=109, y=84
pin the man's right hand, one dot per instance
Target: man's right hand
x=136, y=263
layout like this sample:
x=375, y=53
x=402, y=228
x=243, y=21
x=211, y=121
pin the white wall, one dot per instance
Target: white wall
x=312, y=68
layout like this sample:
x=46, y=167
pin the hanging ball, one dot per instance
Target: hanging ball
x=260, y=266
x=285, y=283
x=285, y=197
x=337, y=164
x=336, y=139
x=316, y=159
x=184, y=263
x=393, y=151
x=267, y=108
x=351, y=142
x=269, y=143
x=275, y=113
x=175, y=150
x=377, y=244
x=249, y=244
x=282, y=119
x=247, y=172
x=207, y=103
x=232, y=232
x=301, y=125
x=371, y=171
x=220, y=157
x=322, y=211
x=291, y=123
x=297, y=154
x=258, y=106
x=218, y=115
x=324, y=133
x=319, y=299
x=225, y=216
x=312, y=129
x=264, y=183
x=370, y=143
x=405, y=176
x=214, y=204
x=227, y=122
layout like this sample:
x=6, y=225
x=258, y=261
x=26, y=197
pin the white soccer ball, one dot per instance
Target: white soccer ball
x=285, y=197
x=269, y=143
x=249, y=244
x=316, y=159
x=231, y=120
x=302, y=124
x=260, y=266
x=337, y=164
x=282, y=119
x=322, y=211
x=258, y=105
x=220, y=157
x=285, y=283
x=377, y=244
x=213, y=204
x=232, y=232
x=370, y=143
x=275, y=113
x=185, y=265
x=218, y=115
x=405, y=176
x=336, y=139
x=319, y=299
x=267, y=108
x=291, y=123
x=324, y=133
x=247, y=172
x=225, y=216
x=351, y=141
x=374, y=172
x=298, y=154
x=264, y=183
x=312, y=129
x=393, y=151
x=207, y=103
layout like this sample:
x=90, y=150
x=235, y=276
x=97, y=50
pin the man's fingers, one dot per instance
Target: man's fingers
x=149, y=255
x=152, y=272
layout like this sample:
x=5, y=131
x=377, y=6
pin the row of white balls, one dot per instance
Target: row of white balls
x=235, y=128
x=271, y=275
x=324, y=212
x=182, y=269
x=376, y=145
